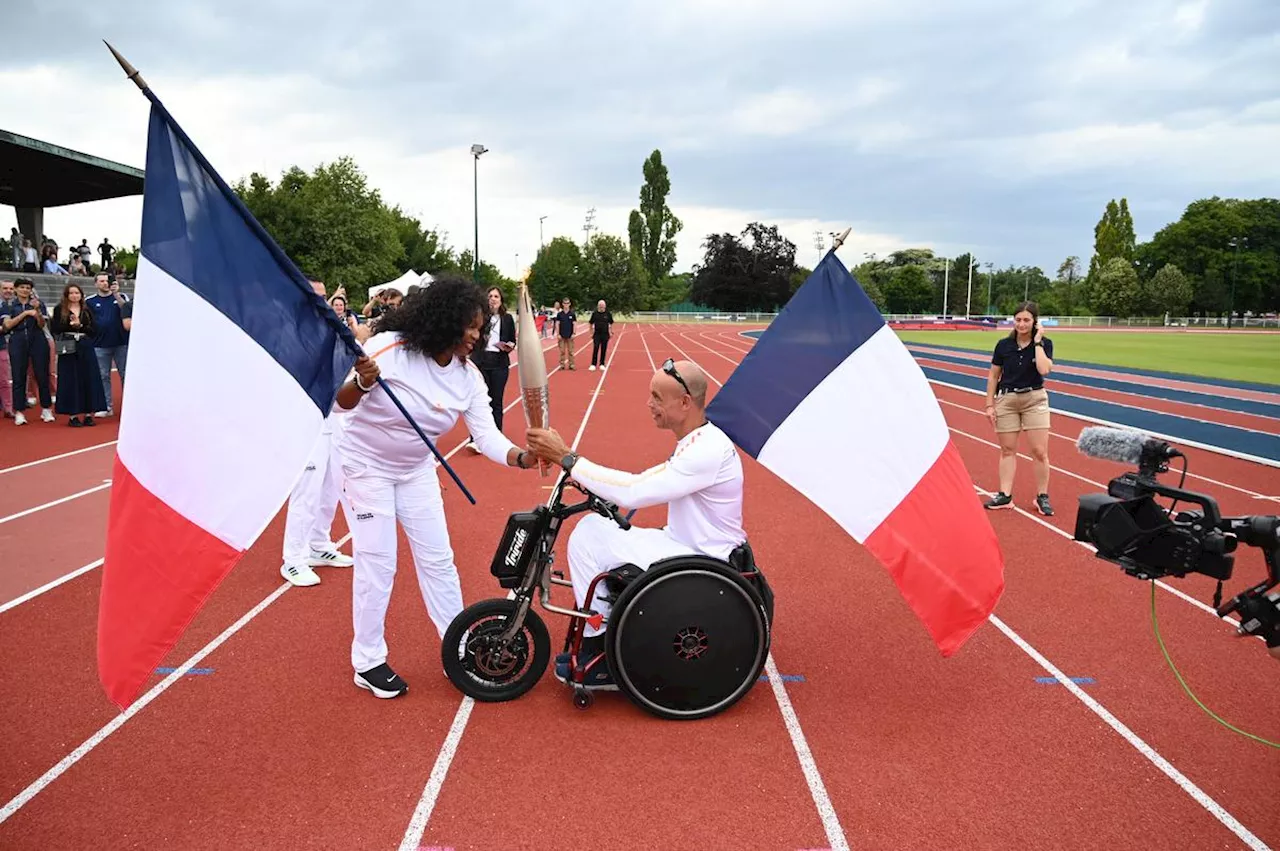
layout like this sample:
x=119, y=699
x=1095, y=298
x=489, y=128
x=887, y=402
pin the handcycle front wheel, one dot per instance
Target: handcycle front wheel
x=484, y=667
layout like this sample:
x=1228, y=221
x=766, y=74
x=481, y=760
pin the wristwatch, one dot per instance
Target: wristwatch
x=568, y=461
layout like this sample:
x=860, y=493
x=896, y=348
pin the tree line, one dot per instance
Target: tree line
x=1220, y=255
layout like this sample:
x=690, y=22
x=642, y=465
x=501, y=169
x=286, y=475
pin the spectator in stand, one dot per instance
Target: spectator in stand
x=24, y=319
x=49, y=263
x=106, y=251
x=6, y=371
x=85, y=252
x=600, y=322
x=15, y=247
x=76, y=266
x=565, y=320
x=79, y=378
x=111, y=340
x=29, y=257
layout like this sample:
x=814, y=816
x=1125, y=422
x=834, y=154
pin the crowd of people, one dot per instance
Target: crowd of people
x=25, y=258
x=61, y=358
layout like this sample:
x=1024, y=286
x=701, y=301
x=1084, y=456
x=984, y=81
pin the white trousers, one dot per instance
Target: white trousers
x=312, y=504
x=598, y=544
x=373, y=501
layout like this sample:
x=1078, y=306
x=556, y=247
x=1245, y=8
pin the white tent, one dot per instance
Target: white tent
x=401, y=284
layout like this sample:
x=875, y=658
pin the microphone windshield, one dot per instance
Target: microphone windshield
x=1112, y=444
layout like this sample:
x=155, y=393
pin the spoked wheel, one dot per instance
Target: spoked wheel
x=481, y=665
x=691, y=639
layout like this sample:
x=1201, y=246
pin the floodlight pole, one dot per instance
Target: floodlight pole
x=476, y=151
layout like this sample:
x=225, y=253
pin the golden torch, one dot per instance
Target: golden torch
x=532, y=366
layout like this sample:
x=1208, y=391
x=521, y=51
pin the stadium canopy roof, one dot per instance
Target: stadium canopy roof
x=35, y=174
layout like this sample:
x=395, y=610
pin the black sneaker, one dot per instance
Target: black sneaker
x=382, y=681
x=1000, y=500
x=1042, y=503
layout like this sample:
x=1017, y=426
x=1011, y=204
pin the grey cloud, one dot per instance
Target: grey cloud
x=583, y=92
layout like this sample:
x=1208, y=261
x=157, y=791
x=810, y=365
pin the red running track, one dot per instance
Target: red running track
x=276, y=748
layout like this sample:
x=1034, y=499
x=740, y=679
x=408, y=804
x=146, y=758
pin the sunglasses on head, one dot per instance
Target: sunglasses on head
x=669, y=367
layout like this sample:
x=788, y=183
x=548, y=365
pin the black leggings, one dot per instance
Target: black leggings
x=599, y=348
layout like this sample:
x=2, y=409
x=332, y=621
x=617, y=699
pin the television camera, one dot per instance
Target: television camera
x=1128, y=527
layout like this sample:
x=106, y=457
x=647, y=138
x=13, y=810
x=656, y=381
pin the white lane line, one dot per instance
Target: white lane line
x=1197, y=794
x=817, y=790
x=56, y=457
x=86, y=492
x=49, y=586
x=25, y=796
x=412, y=839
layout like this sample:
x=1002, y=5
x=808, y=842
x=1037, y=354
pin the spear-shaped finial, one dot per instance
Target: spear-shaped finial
x=839, y=240
x=129, y=70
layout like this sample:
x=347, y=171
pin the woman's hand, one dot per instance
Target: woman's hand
x=991, y=414
x=367, y=371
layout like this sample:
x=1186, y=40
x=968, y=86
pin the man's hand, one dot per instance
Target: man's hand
x=546, y=444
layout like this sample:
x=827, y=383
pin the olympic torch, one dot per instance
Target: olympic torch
x=532, y=366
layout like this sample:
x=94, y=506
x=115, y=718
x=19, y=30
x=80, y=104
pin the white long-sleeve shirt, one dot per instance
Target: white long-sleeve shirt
x=701, y=483
x=377, y=434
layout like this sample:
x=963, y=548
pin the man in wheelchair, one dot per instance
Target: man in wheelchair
x=701, y=483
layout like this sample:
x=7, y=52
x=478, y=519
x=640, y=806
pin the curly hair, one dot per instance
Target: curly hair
x=432, y=320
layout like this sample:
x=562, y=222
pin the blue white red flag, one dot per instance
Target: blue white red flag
x=832, y=402
x=234, y=363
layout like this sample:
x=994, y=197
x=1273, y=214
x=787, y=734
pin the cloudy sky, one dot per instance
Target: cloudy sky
x=997, y=126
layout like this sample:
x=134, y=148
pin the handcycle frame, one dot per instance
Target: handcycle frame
x=539, y=576
x=507, y=645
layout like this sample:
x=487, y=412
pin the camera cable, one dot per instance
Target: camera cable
x=1156, y=627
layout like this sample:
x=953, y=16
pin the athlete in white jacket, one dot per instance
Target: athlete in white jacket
x=390, y=475
x=701, y=484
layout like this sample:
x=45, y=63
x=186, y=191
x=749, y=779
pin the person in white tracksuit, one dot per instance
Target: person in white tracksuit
x=421, y=351
x=312, y=506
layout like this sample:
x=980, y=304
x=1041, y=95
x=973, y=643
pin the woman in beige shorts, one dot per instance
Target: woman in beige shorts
x=1017, y=402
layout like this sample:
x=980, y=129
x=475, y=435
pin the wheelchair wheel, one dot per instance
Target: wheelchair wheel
x=483, y=667
x=688, y=639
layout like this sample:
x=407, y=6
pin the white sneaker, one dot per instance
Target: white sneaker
x=101, y=414
x=46, y=415
x=591, y=368
x=329, y=557
x=299, y=574
x=19, y=418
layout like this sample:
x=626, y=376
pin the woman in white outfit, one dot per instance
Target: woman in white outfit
x=421, y=351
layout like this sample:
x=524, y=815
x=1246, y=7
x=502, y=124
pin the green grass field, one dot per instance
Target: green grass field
x=1241, y=357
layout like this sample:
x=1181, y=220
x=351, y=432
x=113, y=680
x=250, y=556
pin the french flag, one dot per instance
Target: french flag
x=832, y=402
x=233, y=364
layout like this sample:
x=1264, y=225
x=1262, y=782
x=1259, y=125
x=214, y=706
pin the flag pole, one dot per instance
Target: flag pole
x=283, y=259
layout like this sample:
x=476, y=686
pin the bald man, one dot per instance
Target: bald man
x=701, y=484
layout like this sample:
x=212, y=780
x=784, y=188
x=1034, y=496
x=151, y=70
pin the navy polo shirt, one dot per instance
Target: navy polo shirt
x=106, y=316
x=27, y=327
x=1018, y=366
x=566, y=320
